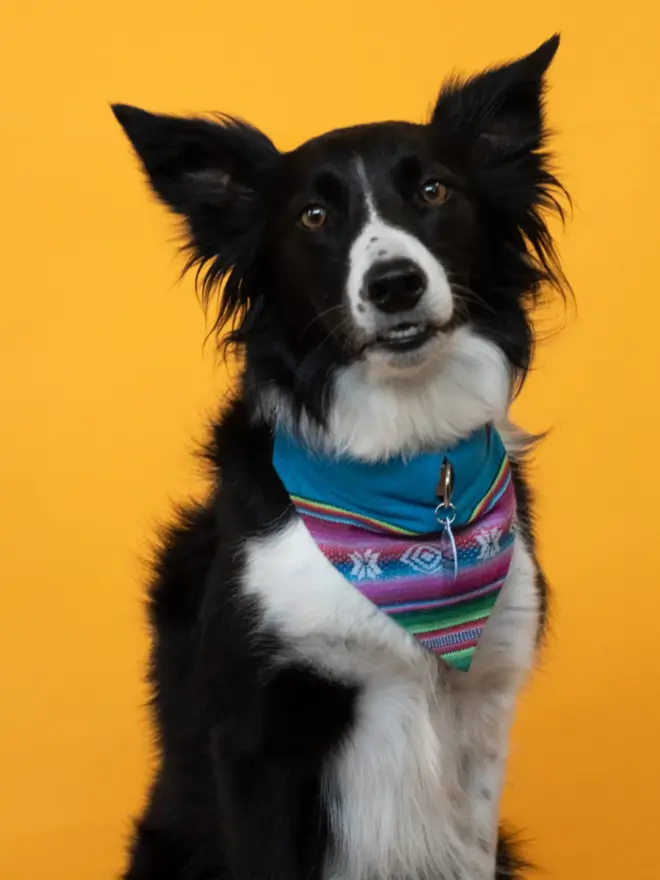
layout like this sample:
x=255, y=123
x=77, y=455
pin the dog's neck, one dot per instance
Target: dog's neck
x=373, y=416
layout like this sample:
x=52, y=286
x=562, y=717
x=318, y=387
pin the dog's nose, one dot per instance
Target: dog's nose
x=396, y=286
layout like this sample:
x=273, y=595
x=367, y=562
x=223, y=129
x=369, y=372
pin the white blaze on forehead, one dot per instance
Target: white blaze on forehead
x=381, y=242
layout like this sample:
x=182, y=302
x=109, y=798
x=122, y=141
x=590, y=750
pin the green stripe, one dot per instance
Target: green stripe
x=438, y=618
x=460, y=659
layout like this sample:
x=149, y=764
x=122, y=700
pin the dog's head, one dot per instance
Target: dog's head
x=379, y=257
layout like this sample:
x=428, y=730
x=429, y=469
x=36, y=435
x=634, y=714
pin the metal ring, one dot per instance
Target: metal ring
x=445, y=520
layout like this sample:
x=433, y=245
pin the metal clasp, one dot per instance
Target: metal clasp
x=445, y=512
x=445, y=483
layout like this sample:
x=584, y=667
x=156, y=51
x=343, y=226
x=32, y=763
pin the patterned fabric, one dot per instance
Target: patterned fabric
x=409, y=574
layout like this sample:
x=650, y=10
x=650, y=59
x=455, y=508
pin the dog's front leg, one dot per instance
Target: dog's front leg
x=259, y=801
x=486, y=698
x=483, y=765
x=269, y=764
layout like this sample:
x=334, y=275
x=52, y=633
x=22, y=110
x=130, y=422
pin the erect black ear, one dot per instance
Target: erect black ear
x=502, y=107
x=210, y=172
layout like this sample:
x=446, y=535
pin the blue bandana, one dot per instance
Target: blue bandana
x=399, y=492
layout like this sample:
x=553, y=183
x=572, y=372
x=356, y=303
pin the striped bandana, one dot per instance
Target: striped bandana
x=377, y=524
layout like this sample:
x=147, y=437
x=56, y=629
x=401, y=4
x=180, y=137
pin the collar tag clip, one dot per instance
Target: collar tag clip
x=445, y=512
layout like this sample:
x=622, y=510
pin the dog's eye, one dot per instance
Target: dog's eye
x=434, y=192
x=313, y=217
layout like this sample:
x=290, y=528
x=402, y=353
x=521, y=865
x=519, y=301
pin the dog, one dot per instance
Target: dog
x=378, y=282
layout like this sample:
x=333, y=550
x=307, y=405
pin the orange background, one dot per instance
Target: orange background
x=105, y=383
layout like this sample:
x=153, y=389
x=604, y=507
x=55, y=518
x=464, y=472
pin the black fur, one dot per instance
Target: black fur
x=244, y=736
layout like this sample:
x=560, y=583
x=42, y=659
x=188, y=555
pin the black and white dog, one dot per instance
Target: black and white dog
x=378, y=281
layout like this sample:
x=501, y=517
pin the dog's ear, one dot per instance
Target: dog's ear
x=498, y=112
x=210, y=172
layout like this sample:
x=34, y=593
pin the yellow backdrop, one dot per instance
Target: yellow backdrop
x=105, y=383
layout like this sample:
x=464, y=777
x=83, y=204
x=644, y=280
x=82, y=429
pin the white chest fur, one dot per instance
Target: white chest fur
x=415, y=790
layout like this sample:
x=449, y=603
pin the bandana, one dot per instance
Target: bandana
x=435, y=564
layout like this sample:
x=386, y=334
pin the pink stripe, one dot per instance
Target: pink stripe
x=333, y=534
x=388, y=550
x=419, y=587
x=444, y=602
x=449, y=649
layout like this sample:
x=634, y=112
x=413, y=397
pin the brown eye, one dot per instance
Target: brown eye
x=434, y=192
x=313, y=217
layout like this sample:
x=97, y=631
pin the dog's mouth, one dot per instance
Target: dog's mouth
x=404, y=337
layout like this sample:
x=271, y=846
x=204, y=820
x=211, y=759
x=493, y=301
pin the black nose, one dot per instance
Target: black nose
x=395, y=286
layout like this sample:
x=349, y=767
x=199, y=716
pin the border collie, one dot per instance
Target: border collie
x=378, y=282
